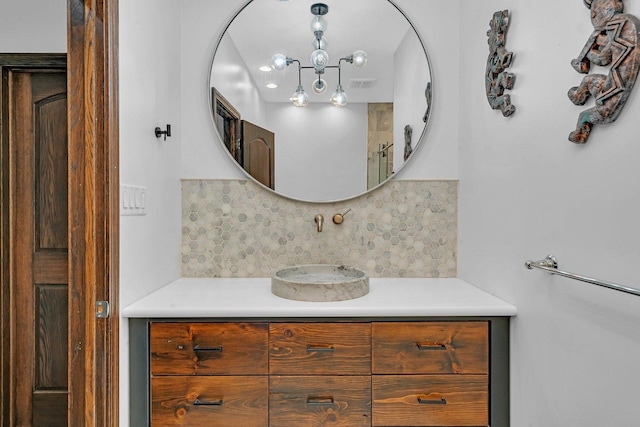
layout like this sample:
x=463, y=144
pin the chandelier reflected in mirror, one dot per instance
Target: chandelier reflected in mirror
x=319, y=62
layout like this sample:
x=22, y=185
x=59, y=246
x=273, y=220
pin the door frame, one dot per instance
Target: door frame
x=92, y=69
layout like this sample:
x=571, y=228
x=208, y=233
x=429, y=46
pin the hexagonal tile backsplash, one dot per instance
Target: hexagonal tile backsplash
x=234, y=228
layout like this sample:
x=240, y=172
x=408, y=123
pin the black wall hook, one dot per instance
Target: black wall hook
x=166, y=133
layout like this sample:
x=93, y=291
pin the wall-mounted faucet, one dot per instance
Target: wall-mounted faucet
x=319, y=219
x=339, y=217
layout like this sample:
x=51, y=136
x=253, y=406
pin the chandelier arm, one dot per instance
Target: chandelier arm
x=299, y=71
x=340, y=71
x=304, y=67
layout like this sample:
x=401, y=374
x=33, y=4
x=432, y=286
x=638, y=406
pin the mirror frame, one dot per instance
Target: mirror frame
x=215, y=96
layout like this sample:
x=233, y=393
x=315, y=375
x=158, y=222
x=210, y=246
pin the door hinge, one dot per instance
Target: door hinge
x=102, y=309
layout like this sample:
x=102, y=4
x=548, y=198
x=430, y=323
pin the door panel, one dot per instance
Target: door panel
x=51, y=171
x=51, y=300
x=50, y=395
x=259, y=153
x=39, y=247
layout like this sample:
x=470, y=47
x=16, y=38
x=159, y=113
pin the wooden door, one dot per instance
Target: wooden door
x=259, y=153
x=38, y=275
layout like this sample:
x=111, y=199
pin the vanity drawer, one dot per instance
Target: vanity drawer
x=209, y=348
x=320, y=401
x=320, y=348
x=430, y=347
x=210, y=401
x=430, y=400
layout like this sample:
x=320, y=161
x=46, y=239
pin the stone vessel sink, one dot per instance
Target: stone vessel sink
x=319, y=283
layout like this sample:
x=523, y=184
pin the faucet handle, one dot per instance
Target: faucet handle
x=339, y=218
x=319, y=219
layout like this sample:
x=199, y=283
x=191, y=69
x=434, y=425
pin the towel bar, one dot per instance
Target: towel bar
x=550, y=264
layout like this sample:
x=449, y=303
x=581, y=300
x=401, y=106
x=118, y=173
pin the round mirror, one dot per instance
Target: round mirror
x=320, y=102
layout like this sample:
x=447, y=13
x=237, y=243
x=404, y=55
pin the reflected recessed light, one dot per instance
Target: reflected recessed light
x=265, y=68
x=272, y=85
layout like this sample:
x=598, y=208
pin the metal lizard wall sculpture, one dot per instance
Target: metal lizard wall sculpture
x=613, y=42
x=427, y=97
x=408, y=131
x=496, y=78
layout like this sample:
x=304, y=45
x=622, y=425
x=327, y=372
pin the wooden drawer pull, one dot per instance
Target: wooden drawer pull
x=441, y=401
x=319, y=401
x=321, y=347
x=216, y=348
x=199, y=402
x=429, y=346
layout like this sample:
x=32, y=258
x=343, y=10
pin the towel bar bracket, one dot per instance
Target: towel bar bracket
x=549, y=262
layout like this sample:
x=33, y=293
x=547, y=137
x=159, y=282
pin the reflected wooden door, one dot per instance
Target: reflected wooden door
x=258, y=145
x=38, y=247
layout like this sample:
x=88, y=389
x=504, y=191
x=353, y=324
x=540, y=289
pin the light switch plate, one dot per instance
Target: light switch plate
x=133, y=199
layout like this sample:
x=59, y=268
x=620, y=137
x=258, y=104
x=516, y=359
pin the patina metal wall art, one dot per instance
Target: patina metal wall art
x=496, y=78
x=613, y=43
x=408, y=131
x=427, y=97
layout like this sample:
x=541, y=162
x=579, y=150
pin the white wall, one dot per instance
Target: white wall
x=232, y=79
x=526, y=192
x=33, y=26
x=150, y=96
x=437, y=23
x=327, y=165
x=409, y=101
x=202, y=155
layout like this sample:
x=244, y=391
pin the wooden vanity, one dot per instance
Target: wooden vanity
x=319, y=370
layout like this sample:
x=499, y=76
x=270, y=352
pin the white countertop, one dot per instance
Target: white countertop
x=252, y=297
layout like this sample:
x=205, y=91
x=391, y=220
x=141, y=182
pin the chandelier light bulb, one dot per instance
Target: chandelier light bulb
x=339, y=97
x=320, y=43
x=300, y=98
x=319, y=86
x=279, y=62
x=320, y=62
x=359, y=58
x=319, y=59
x=318, y=24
